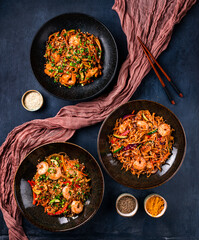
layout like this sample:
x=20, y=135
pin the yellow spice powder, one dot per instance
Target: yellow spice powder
x=155, y=205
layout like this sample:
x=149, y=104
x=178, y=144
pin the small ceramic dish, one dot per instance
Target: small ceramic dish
x=86, y=24
x=132, y=213
x=32, y=100
x=113, y=166
x=164, y=209
x=23, y=192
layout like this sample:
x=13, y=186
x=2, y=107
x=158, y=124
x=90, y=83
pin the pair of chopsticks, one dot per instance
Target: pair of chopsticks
x=147, y=53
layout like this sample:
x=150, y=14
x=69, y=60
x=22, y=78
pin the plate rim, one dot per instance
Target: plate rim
x=178, y=167
x=108, y=82
x=60, y=230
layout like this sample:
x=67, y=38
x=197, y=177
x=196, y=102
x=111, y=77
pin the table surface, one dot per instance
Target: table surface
x=20, y=21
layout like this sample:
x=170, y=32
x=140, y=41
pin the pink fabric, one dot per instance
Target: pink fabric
x=153, y=21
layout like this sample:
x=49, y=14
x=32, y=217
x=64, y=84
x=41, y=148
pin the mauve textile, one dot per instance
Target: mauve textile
x=153, y=21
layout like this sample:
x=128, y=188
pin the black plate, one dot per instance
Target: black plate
x=86, y=24
x=113, y=166
x=23, y=192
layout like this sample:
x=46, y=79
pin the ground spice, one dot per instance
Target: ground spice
x=155, y=205
x=126, y=204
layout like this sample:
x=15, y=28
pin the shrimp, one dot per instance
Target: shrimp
x=139, y=164
x=68, y=79
x=54, y=173
x=65, y=78
x=73, y=40
x=142, y=125
x=47, y=70
x=164, y=130
x=66, y=192
x=123, y=127
x=42, y=168
x=76, y=207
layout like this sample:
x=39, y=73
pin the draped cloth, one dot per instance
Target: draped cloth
x=153, y=21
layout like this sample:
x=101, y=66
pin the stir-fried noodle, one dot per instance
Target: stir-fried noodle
x=142, y=142
x=73, y=57
x=60, y=185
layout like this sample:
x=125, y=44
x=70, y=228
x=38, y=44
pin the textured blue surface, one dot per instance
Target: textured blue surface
x=19, y=22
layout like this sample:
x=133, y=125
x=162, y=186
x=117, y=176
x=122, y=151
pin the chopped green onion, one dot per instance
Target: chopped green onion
x=145, y=118
x=149, y=133
x=117, y=150
x=55, y=200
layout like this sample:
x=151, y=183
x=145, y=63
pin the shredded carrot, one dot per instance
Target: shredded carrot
x=64, y=165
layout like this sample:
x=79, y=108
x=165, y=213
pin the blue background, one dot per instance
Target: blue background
x=19, y=22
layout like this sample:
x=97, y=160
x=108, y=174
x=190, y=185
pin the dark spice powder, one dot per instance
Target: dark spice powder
x=126, y=204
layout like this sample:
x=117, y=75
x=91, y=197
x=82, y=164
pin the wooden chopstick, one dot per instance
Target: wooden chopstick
x=146, y=51
x=156, y=72
x=165, y=74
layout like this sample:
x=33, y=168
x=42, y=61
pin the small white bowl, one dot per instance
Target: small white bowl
x=131, y=214
x=40, y=99
x=164, y=209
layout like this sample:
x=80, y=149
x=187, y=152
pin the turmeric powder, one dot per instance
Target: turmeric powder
x=155, y=205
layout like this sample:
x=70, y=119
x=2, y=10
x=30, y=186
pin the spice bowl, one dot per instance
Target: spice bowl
x=154, y=202
x=32, y=100
x=126, y=205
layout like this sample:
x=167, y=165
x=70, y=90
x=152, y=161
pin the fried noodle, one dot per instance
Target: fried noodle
x=142, y=142
x=60, y=185
x=73, y=57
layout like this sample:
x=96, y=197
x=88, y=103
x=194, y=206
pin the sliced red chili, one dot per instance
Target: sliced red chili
x=67, y=182
x=32, y=184
x=125, y=133
x=114, y=140
x=59, y=212
x=34, y=198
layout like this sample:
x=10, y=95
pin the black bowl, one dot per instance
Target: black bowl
x=86, y=24
x=113, y=166
x=23, y=192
